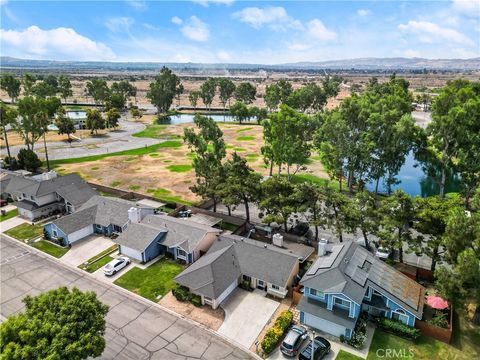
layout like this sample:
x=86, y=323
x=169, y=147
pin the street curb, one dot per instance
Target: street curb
x=129, y=293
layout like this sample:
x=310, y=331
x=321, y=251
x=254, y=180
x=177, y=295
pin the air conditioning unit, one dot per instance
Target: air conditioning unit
x=277, y=240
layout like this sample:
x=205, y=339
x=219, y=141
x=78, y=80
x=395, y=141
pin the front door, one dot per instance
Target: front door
x=261, y=284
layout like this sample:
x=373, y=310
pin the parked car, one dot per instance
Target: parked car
x=382, y=253
x=321, y=348
x=3, y=202
x=116, y=265
x=294, y=340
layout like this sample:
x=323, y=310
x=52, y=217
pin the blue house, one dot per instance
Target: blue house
x=346, y=280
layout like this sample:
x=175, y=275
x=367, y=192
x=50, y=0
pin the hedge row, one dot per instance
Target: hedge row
x=275, y=333
x=182, y=294
x=399, y=328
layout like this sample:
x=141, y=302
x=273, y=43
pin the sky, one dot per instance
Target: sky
x=228, y=31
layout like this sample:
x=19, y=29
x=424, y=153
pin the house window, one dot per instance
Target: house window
x=317, y=293
x=117, y=229
x=99, y=227
x=275, y=287
x=246, y=278
x=181, y=253
x=54, y=233
x=342, y=302
x=400, y=316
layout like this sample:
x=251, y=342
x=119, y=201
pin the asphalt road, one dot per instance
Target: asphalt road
x=136, y=328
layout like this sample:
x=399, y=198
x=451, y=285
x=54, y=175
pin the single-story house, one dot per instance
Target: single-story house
x=44, y=194
x=345, y=280
x=233, y=259
x=159, y=234
x=100, y=215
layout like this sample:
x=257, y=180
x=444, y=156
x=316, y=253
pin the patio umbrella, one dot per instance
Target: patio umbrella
x=436, y=302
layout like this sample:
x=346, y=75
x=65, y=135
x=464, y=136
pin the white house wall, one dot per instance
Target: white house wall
x=205, y=244
x=80, y=234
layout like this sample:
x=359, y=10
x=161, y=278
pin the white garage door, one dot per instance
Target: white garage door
x=227, y=291
x=323, y=325
x=80, y=234
x=131, y=253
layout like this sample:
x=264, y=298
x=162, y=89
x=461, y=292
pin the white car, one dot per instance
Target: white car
x=382, y=253
x=116, y=265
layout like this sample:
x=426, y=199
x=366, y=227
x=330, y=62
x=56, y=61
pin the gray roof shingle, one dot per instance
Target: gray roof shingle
x=350, y=269
x=76, y=221
x=110, y=210
x=231, y=256
x=138, y=236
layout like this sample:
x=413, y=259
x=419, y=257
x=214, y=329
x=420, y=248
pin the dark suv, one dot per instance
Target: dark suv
x=294, y=340
x=321, y=348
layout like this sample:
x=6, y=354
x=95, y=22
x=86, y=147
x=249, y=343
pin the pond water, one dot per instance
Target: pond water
x=76, y=114
x=414, y=181
x=188, y=118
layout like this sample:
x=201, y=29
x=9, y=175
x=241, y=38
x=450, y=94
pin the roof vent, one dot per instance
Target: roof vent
x=265, y=246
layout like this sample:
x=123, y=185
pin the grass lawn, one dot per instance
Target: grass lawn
x=239, y=149
x=50, y=248
x=244, y=129
x=343, y=355
x=25, y=231
x=151, y=131
x=9, y=215
x=115, y=183
x=425, y=348
x=180, y=168
x=141, y=151
x=157, y=279
x=246, y=138
x=227, y=226
x=134, y=187
x=97, y=264
x=299, y=178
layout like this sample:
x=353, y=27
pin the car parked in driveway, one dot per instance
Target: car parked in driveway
x=116, y=265
x=294, y=340
x=320, y=349
x=382, y=253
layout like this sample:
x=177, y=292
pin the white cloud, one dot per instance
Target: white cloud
x=222, y=55
x=206, y=3
x=119, y=24
x=299, y=46
x=467, y=8
x=411, y=53
x=463, y=53
x=363, y=12
x=59, y=44
x=431, y=32
x=137, y=4
x=3, y=2
x=150, y=27
x=275, y=17
x=318, y=31
x=176, y=20
x=195, y=29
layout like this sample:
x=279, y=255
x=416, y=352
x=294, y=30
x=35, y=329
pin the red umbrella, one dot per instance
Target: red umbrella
x=436, y=302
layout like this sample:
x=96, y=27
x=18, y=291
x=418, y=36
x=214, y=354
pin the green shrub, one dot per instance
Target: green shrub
x=181, y=293
x=342, y=338
x=284, y=320
x=46, y=235
x=399, y=328
x=359, y=334
x=440, y=320
x=196, y=300
x=275, y=333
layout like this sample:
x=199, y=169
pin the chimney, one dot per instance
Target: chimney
x=322, y=248
x=277, y=240
x=49, y=175
x=134, y=215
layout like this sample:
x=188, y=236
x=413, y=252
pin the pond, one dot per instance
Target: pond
x=188, y=118
x=414, y=181
x=74, y=115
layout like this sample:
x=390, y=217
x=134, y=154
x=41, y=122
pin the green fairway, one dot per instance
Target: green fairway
x=49, y=248
x=141, y=151
x=25, y=231
x=151, y=131
x=180, y=168
x=9, y=215
x=246, y=138
x=157, y=279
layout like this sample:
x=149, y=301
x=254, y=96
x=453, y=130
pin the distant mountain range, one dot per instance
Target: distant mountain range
x=351, y=64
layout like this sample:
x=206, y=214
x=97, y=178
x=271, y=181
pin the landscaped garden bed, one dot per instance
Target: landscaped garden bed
x=99, y=260
x=276, y=332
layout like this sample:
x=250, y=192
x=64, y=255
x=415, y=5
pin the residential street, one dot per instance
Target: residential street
x=136, y=328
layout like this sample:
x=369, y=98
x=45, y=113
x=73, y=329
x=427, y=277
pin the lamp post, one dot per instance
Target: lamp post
x=312, y=357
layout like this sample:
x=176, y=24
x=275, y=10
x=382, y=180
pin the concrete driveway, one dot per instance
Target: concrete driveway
x=11, y=223
x=246, y=314
x=85, y=249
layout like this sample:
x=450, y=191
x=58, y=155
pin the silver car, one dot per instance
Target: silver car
x=294, y=340
x=116, y=265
